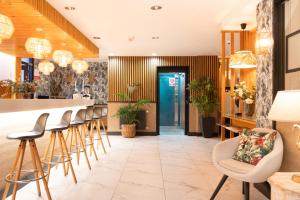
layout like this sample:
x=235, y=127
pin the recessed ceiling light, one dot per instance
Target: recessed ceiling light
x=96, y=38
x=70, y=8
x=155, y=38
x=39, y=29
x=154, y=54
x=156, y=7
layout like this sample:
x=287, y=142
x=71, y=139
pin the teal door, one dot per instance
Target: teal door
x=166, y=99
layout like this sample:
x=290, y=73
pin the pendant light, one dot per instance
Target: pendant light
x=46, y=67
x=6, y=27
x=39, y=47
x=242, y=59
x=80, y=66
x=62, y=57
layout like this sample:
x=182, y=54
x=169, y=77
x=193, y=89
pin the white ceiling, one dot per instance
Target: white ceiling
x=185, y=27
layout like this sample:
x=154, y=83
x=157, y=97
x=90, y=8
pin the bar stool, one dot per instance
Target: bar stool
x=76, y=137
x=96, y=124
x=89, y=133
x=57, y=131
x=15, y=173
x=104, y=114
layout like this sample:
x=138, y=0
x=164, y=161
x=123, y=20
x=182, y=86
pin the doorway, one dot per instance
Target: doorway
x=172, y=100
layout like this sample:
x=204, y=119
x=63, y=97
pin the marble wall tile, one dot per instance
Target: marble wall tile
x=61, y=82
x=264, y=73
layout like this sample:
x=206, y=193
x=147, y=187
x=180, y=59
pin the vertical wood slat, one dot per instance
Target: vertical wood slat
x=125, y=70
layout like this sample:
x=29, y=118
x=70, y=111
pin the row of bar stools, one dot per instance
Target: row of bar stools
x=57, y=131
x=14, y=176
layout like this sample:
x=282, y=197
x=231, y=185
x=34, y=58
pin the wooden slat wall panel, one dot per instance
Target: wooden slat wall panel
x=126, y=70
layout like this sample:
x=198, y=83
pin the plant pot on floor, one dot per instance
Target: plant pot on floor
x=208, y=125
x=128, y=130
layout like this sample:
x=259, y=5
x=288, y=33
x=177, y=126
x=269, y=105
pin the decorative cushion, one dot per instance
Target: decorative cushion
x=254, y=145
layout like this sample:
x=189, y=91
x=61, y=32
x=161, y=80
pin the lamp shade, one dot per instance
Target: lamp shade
x=79, y=66
x=46, y=67
x=242, y=59
x=6, y=28
x=62, y=57
x=286, y=106
x=39, y=47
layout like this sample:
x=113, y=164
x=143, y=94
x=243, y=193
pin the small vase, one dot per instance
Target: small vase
x=250, y=109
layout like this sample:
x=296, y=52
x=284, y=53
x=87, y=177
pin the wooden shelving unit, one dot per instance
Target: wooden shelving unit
x=233, y=41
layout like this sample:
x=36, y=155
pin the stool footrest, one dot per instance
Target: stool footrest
x=66, y=159
x=9, y=177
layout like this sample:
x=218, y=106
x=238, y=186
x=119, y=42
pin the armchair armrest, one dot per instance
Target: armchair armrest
x=225, y=149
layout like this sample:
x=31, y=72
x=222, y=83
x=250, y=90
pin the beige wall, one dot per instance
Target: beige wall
x=113, y=122
x=291, y=159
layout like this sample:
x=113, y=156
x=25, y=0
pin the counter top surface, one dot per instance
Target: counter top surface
x=19, y=105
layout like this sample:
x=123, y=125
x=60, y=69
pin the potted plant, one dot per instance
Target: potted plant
x=204, y=97
x=128, y=114
x=242, y=92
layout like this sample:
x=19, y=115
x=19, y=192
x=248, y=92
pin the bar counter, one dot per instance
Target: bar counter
x=21, y=115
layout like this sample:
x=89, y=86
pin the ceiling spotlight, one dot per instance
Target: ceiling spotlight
x=96, y=38
x=70, y=8
x=39, y=29
x=155, y=38
x=156, y=7
x=154, y=54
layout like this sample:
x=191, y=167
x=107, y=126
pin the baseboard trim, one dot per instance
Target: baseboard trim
x=137, y=133
x=194, y=134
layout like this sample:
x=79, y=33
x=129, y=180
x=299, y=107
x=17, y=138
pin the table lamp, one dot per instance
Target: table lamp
x=286, y=108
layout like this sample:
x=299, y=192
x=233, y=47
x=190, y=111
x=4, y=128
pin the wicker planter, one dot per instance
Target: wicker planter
x=128, y=130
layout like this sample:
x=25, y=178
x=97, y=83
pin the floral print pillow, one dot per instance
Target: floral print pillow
x=253, y=146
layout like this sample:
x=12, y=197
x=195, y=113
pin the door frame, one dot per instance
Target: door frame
x=174, y=69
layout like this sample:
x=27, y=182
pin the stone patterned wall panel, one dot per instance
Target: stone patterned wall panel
x=61, y=82
x=264, y=82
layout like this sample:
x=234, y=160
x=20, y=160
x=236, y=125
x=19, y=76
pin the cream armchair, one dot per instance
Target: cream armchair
x=247, y=173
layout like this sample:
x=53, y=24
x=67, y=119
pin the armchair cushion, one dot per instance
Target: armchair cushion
x=236, y=166
x=254, y=145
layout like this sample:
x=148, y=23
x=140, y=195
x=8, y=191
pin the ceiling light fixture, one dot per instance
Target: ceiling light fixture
x=79, y=66
x=63, y=57
x=155, y=38
x=70, y=8
x=242, y=60
x=6, y=28
x=96, y=38
x=40, y=48
x=39, y=29
x=156, y=7
x=46, y=67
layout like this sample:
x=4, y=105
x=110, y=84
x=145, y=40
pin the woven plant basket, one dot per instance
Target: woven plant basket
x=128, y=130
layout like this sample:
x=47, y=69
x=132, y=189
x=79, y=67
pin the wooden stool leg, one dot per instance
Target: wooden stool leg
x=62, y=153
x=84, y=149
x=36, y=173
x=23, y=143
x=68, y=156
x=13, y=168
x=51, y=156
x=99, y=135
x=92, y=145
x=46, y=152
x=39, y=165
x=77, y=137
x=105, y=131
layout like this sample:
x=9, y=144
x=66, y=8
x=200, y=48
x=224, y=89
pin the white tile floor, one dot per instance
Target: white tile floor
x=145, y=168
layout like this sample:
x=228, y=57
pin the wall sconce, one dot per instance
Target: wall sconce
x=264, y=43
